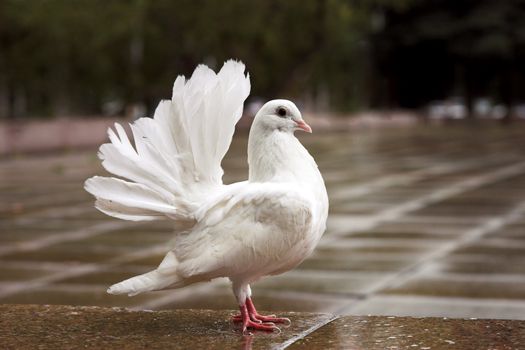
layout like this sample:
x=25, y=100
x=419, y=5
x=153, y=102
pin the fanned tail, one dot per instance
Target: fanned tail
x=176, y=157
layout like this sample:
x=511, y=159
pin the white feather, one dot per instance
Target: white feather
x=129, y=194
x=263, y=226
x=126, y=213
x=146, y=282
x=169, y=160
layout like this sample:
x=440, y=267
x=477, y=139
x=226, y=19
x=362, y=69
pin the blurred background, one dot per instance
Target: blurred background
x=418, y=111
x=63, y=58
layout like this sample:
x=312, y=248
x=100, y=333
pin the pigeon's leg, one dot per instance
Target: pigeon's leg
x=255, y=316
x=247, y=323
x=241, y=293
x=246, y=293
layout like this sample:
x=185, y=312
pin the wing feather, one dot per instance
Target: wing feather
x=241, y=228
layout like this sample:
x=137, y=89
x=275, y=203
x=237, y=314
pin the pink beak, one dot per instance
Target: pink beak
x=303, y=126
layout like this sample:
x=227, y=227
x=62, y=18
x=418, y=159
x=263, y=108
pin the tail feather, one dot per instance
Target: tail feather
x=129, y=194
x=163, y=277
x=150, y=281
x=125, y=213
x=176, y=157
x=114, y=162
x=133, y=201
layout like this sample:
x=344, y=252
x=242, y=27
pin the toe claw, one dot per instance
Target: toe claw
x=267, y=327
x=286, y=321
x=274, y=319
x=236, y=318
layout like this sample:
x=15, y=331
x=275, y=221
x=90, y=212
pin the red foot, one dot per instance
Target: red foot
x=252, y=320
x=248, y=323
x=269, y=318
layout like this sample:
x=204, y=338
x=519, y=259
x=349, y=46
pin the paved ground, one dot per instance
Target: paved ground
x=66, y=327
x=425, y=221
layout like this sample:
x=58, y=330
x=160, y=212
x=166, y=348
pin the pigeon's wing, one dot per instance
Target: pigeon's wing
x=249, y=229
x=176, y=157
x=249, y=226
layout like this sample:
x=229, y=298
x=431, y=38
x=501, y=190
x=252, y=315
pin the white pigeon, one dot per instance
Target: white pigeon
x=246, y=230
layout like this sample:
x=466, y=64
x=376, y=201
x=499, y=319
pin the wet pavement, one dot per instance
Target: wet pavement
x=66, y=327
x=424, y=221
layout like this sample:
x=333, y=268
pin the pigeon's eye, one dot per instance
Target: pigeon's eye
x=281, y=112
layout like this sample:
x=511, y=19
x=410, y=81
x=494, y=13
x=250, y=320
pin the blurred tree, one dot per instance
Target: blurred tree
x=71, y=56
x=61, y=57
x=441, y=48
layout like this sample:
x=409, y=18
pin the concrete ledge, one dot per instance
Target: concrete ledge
x=66, y=327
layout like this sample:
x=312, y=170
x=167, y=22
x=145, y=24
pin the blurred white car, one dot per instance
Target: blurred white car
x=448, y=109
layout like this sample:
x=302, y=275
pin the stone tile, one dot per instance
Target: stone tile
x=468, y=287
x=321, y=282
x=500, y=242
x=20, y=235
x=59, y=327
x=150, y=261
x=88, y=214
x=82, y=295
x=70, y=252
x=46, y=225
x=444, y=222
x=414, y=234
x=430, y=226
x=515, y=231
x=107, y=276
x=358, y=208
x=424, y=306
x=131, y=238
x=487, y=196
x=159, y=226
x=461, y=209
x=415, y=333
x=356, y=263
x=343, y=248
x=221, y=298
x=13, y=273
x=395, y=195
x=18, y=208
x=334, y=258
x=484, y=265
x=490, y=250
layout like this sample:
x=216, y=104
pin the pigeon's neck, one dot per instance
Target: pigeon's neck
x=278, y=156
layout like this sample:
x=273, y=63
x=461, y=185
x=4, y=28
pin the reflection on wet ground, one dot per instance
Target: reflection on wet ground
x=66, y=327
x=425, y=221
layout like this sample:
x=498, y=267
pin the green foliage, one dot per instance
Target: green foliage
x=70, y=56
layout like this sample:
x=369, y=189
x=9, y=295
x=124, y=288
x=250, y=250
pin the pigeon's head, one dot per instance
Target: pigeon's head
x=281, y=115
